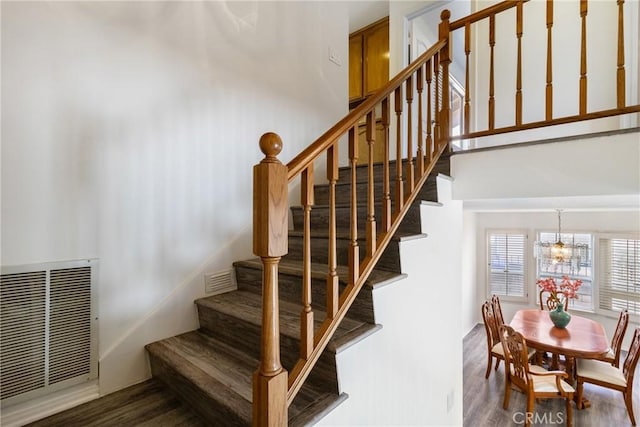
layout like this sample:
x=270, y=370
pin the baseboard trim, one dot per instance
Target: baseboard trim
x=27, y=412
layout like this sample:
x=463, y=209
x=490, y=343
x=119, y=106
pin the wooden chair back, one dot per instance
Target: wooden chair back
x=631, y=361
x=551, y=304
x=497, y=309
x=618, y=336
x=490, y=324
x=516, y=355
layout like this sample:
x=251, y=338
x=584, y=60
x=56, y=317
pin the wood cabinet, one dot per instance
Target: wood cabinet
x=363, y=144
x=368, y=60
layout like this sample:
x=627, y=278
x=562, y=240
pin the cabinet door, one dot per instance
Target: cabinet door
x=355, y=67
x=363, y=144
x=376, y=53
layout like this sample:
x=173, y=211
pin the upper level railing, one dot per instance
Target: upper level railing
x=548, y=117
x=420, y=138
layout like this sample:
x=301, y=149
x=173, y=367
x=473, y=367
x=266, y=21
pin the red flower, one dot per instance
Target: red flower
x=567, y=287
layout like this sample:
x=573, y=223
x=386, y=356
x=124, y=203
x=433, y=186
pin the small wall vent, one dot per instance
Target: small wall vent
x=218, y=283
x=48, y=328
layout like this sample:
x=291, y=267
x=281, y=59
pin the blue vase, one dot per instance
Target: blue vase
x=560, y=317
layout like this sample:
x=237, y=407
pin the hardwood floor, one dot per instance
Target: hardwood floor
x=149, y=404
x=483, y=397
x=144, y=404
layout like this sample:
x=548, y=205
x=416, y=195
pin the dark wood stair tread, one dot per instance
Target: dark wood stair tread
x=217, y=370
x=319, y=271
x=224, y=374
x=248, y=307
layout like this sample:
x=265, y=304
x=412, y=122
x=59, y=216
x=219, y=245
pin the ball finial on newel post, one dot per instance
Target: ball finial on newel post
x=445, y=15
x=270, y=145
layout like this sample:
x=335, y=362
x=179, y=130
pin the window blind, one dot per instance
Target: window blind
x=507, y=263
x=619, y=263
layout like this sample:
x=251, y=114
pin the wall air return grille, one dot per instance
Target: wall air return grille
x=48, y=328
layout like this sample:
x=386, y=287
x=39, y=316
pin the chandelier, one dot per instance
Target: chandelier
x=560, y=252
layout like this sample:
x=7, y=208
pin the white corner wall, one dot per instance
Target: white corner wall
x=129, y=132
x=398, y=375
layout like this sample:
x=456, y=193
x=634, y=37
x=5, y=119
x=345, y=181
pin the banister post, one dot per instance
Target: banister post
x=445, y=59
x=270, y=243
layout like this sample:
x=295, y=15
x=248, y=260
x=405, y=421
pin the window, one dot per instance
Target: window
x=506, y=273
x=578, y=266
x=619, y=276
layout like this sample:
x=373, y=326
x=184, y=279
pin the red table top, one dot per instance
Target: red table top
x=582, y=338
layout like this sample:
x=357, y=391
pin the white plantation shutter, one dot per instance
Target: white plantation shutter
x=506, y=263
x=619, y=276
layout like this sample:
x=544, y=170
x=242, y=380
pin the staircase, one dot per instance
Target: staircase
x=211, y=368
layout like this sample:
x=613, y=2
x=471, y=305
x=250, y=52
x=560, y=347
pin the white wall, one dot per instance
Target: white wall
x=532, y=222
x=129, y=130
x=599, y=166
x=408, y=372
x=470, y=265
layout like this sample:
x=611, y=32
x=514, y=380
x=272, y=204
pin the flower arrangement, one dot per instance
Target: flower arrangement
x=568, y=287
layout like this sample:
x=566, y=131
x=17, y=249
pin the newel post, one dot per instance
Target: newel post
x=270, y=244
x=445, y=59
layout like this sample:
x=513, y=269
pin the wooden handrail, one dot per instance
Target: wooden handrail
x=274, y=387
x=320, y=145
x=485, y=13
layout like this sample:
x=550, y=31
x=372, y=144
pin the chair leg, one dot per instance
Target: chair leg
x=507, y=391
x=628, y=401
x=569, y=412
x=497, y=363
x=530, y=405
x=489, y=363
x=579, y=391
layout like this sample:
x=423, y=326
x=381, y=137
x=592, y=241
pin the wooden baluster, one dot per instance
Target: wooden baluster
x=399, y=184
x=332, y=276
x=429, y=142
x=445, y=59
x=306, y=317
x=467, y=91
x=386, y=193
x=410, y=172
x=492, y=43
x=549, y=87
x=354, y=249
x=519, y=66
x=620, y=84
x=371, y=201
x=436, y=106
x=420, y=152
x=583, y=58
x=270, y=243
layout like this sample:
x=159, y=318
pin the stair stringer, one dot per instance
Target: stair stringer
x=410, y=372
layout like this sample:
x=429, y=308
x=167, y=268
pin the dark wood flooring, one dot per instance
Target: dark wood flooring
x=149, y=404
x=145, y=404
x=483, y=397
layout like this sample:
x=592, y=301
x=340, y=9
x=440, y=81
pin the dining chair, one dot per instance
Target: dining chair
x=497, y=309
x=613, y=356
x=551, y=304
x=606, y=375
x=494, y=347
x=532, y=380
